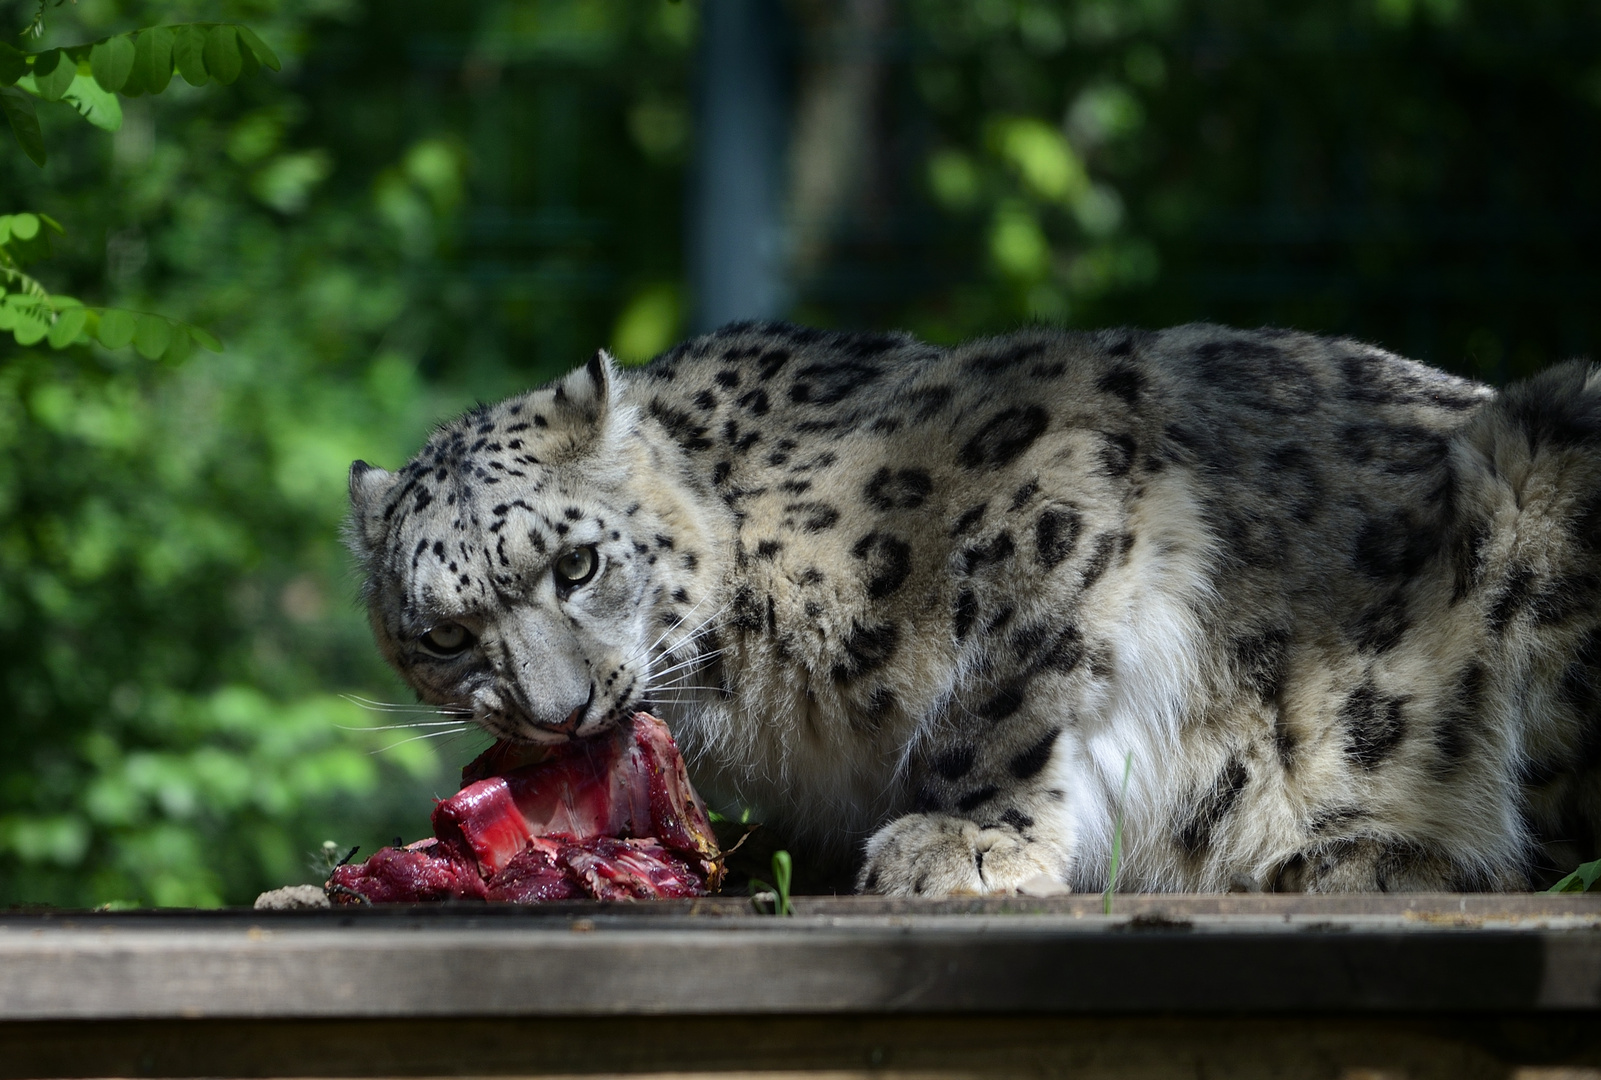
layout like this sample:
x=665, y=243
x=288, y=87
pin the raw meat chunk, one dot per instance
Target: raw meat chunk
x=612, y=818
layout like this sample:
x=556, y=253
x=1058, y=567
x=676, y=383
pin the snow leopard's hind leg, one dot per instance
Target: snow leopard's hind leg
x=1370, y=864
x=1490, y=703
x=1506, y=791
x=1541, y=598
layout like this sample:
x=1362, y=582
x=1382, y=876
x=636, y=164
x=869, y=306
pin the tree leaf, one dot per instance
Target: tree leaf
x=13, y=64
x=111, y=61
x=204, y=337
x=29, y=318
x=24, y=226
x=222, y=54
x=182, y=346
x=248, y=64
x=259, y=48
x=188, y=49
x=152, y=336
x=29, y=331
x=68, y=325
x=94, y=103
x=116, y=328
x=1581, y=880
x=53, y=72
x=152, y=59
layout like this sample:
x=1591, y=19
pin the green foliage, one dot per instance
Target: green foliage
x=24, y=122
x=1581, y=880
x=1412, y=173
x=33, y=315
x=177, y=617
x=774, y=897
x=90, y=76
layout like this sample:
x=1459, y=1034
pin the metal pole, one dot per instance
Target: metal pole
x=737, y=256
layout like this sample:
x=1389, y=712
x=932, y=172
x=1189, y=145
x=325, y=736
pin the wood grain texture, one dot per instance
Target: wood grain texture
x=1491, y=954
x=1171, y=986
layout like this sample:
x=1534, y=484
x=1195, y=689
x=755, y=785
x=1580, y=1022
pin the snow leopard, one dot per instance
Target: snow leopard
x=1267, y=610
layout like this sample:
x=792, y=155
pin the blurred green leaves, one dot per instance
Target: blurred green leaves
x=651, y=321
x=233, y=754
x=173, y=601
x=24, y=121
x=34, y=315
x=286, y=182
x=1399, y=170
x=419, y=197
x=1042, y=158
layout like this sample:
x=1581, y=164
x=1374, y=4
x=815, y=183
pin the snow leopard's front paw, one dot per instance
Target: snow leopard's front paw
x=937, y=855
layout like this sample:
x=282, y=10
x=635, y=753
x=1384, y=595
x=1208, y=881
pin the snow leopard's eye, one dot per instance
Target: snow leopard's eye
x=446, y=639
x=576, y=567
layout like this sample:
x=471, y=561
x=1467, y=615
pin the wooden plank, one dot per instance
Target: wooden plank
x=773, y=1047
x=1243, y=986
x=468, y=966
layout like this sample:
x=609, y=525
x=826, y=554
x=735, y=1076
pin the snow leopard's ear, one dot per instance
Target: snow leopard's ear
x=587, y=392
x=586, y=410
x=369, y=489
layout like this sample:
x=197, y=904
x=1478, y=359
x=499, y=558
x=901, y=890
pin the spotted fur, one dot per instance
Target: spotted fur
x=1335, y=611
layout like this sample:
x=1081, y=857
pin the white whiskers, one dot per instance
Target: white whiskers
x=689, y=637
x=682, y=665
x=397, y=727
x=427, y=735
x=402, y=707
x=676, y=683
x=457, y=721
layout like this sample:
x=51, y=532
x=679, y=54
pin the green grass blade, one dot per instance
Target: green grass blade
x=783, y=866
x=1117, y=839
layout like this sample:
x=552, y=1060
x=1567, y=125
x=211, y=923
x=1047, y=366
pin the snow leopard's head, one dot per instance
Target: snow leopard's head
x=530, y=567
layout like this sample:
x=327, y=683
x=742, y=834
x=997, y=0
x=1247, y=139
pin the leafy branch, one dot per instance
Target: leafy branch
x=32, y=314
x=35, y=27
x=90, y=76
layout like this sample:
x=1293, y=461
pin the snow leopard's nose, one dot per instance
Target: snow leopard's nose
x=570, y=725
x=545, y=676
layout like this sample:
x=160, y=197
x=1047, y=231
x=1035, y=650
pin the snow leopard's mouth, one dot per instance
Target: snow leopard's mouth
x=518, y=724
x=576, y=717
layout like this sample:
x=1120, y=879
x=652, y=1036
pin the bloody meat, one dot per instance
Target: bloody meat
x=612, y=818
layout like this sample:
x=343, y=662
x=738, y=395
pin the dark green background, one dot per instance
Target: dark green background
x=436, y=203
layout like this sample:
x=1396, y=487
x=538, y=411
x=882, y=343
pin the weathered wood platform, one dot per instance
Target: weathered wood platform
x=1237, y=985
